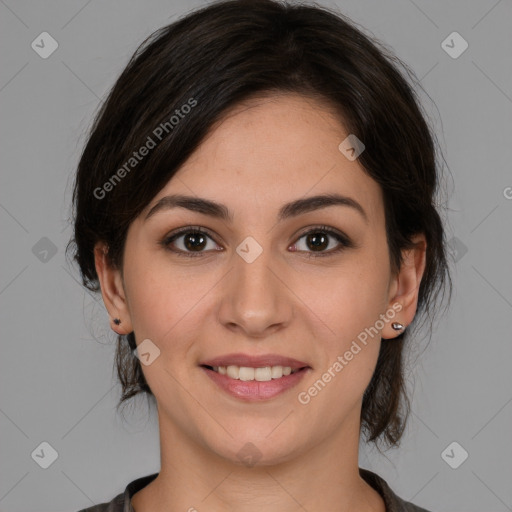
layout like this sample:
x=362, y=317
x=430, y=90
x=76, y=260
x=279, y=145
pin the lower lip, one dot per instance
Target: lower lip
x=254, y=390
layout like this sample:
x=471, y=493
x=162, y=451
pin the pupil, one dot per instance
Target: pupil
x=197, y=241
x=194, y=241
x=318, y=241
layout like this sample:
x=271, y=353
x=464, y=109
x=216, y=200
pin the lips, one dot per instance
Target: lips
x=255, y=361
x=233, y=374
x=253, y=390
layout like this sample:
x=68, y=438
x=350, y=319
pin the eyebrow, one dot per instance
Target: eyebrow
x=220, y=211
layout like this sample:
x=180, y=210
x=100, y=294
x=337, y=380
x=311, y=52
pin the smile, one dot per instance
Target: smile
x=246, y=373
x=255, y=384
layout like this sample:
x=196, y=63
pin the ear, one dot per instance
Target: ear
x=112, y=290
x=404, y=287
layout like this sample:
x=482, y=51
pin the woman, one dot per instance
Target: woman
x=256, y=204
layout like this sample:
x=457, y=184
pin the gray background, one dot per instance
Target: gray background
x=56, y=378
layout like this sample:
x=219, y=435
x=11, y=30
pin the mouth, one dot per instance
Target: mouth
x=255, y=378
x=259, y=374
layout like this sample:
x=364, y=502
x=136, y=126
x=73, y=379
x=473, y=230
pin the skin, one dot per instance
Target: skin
x=265, y=153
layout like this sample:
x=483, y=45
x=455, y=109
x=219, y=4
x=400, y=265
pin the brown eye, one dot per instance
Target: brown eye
x=193, y=241
x=188, y=241
x=318, y=240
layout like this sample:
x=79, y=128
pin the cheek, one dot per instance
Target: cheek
x=165, y=300
x=354, y=299
x=350, y=305
x=349, y=353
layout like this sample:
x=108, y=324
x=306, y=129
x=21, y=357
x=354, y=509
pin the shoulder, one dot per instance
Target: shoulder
x=407, y=506
x=122, y=502
x=393, y=502
x=116, y=505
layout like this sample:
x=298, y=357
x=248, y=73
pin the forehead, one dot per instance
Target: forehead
x=272, y=150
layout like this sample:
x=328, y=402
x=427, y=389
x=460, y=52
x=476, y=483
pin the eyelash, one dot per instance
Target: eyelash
x=345, y=242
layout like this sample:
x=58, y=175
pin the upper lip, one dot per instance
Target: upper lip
x=254, y=361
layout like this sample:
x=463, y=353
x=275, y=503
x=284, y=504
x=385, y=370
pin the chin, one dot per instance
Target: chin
x=259, y=449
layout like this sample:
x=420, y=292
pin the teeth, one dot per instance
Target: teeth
x=263, y=374
x=233, y=372
x=246, y=373
x=277, y=372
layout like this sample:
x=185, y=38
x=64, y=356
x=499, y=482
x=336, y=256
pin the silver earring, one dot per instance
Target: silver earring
x=397, y=326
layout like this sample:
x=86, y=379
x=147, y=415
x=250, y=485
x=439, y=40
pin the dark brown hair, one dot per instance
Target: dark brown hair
x=219, y=56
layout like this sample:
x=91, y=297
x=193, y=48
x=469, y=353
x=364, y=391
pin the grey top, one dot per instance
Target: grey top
x=122, y=503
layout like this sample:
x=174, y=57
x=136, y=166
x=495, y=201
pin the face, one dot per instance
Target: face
x=265, y=282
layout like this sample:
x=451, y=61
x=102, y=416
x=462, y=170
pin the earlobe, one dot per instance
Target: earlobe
x=112, y=291
x=406, y=285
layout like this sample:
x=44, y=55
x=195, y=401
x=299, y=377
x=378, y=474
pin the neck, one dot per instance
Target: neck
x=324, y=476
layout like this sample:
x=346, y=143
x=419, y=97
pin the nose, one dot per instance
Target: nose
x=255, y=298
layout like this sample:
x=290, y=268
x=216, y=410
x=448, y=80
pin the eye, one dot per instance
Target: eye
x=318, y=239
x=194, y=240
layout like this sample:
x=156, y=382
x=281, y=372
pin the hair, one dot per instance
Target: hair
x=212, y=60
